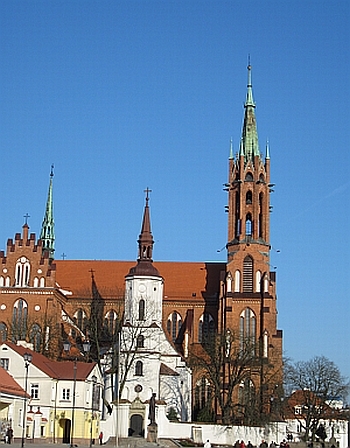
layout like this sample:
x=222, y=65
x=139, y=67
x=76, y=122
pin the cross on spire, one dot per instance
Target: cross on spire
x=26, y=216
x=147, y=191
x=92, y=273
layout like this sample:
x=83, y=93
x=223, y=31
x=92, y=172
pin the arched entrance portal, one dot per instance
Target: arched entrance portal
x=136, y=426
x=65, y=423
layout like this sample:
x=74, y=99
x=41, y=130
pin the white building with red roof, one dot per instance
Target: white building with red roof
x=64, y=398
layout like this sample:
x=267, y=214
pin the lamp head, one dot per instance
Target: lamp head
x=66, y=346
x=28, y=358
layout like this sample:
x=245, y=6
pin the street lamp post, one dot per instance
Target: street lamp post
x=93, y=384
x=27, y=360
x=66, y=348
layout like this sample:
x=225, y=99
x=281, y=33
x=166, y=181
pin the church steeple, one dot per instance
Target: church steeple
x=145, y=240
x=248, y=187
x=145, y=245
x=249, y=142
x=47, y=234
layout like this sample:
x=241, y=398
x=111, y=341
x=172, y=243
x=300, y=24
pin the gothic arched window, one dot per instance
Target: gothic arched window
x=22, y=272
x=141, y=309
x=202, y=397
x=19, y=320
x=249, y=177
x=80, y=319
x=3, y=332
x=248, y=274
x=246, y=395
x=139, y=368
x=247, y=330
x=249, y=197
x=111, y=319
x=174, y=325
x=206, y=327
x=35, y=337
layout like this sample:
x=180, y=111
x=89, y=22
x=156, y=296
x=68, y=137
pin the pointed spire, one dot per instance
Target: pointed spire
x=144, y=265
x=267, y=154
x=47, y=234
x=249, y=100
x=250, y=142
x=145, y=240
x=231, y=150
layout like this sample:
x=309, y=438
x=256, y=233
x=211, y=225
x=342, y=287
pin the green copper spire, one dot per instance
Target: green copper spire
x=250, y=143
x=47, y=234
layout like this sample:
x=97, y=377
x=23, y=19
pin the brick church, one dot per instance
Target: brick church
x=45, y=301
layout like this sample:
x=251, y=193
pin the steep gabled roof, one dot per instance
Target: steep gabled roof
x=63, y=370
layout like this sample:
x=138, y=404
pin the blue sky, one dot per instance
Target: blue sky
x=121, y=95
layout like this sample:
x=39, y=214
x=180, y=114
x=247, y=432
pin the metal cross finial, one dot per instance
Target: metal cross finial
x=51, y=173
x=92, y=273
x=147, y=191
x=26, y=216
x=63, y=256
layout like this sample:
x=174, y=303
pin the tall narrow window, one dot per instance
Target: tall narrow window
x=138, y=368
x=248, y=225
x=19, y=320
x=247, y=330
x=3, y=332
x=22, y=272
x=237, y=283
x=141, y=309
x=35, y=337
x=174, y=325
x=248, y=274
x=206, y=327
x=237, y=219
x=260, y=230
x=249, y=197
x=140, y=341
x=258, y=280
x=111, y=320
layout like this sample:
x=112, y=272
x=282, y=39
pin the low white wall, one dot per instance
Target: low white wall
x=219, y=434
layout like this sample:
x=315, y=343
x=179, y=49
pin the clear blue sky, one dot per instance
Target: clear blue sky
x=121, y=95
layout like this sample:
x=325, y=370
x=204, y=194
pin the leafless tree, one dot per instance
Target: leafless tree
x=318, y=383
x=227, y=363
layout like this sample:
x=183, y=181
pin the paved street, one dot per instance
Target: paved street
x=131, y=442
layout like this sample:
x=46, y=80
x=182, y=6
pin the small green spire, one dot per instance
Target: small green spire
x=250, y=142
x=249, y=100
x=47, y=234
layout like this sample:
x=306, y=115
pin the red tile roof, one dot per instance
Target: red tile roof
x=62, y=370
x=9, y=386
x=182, y=280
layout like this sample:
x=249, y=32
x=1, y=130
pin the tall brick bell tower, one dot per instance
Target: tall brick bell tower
x=249, y=305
